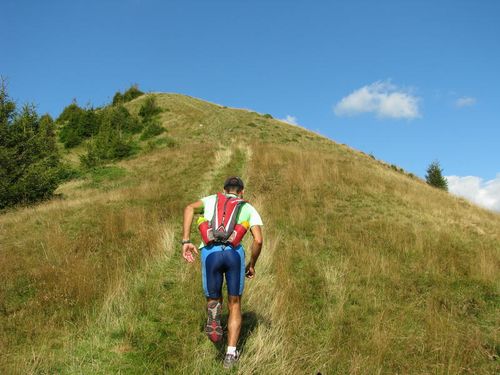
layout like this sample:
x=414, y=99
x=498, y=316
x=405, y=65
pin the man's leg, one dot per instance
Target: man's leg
x=235, y=278
x=234, y=320
x=212, y=285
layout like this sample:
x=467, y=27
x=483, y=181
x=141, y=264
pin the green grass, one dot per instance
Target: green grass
x=365, y=269
x=108, y=173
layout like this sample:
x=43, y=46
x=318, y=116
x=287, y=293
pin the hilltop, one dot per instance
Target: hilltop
x=365, y=268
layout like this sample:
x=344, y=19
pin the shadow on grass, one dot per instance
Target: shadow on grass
x=250, y=321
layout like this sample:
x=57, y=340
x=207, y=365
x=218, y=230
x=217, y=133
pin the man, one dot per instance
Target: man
x=226, y=216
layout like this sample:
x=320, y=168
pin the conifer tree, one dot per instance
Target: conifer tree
x=29, y=160
x=434, y=176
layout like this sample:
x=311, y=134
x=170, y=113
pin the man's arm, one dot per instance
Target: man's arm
x=256, y=248
x=189, y=248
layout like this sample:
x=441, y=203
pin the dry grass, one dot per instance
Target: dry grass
x=62, y=259
x=364, y=270
x=390, y=276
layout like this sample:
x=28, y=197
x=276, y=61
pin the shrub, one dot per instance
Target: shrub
x=267, y=115
x=118, y=98
x=77, y=124
x=119, y=118
x=67, y=172
x=90, y=159
x=109, y=144
x=149, y=109
x=149, y=112
x=152, y=129
x=132, y=93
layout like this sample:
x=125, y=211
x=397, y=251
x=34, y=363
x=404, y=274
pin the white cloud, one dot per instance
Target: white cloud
x=290, y=119
x=483, y=193
x=381, y=98
x=465, y=101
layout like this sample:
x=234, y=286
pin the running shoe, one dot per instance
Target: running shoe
x=213, y=329
x=231, y=359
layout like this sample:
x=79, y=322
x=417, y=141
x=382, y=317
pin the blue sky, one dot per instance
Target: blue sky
x=408, y=81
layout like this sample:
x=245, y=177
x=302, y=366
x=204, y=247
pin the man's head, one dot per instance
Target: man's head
x=234, y=185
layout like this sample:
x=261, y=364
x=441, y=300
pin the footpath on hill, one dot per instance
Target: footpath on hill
x=152, y=321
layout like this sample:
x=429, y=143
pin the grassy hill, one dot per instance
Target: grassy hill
x=365, y=269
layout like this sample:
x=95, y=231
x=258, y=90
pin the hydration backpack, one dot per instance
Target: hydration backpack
x=223, y=227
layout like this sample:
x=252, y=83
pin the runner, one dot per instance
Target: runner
x=224, y=221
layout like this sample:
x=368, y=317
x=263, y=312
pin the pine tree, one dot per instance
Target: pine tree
x=434, y=176
x=29, y=160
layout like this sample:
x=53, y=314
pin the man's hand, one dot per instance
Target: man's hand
x=189, y=248
x=249, y=271
x=187, y=252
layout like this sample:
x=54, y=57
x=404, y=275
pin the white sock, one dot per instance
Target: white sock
x=231, y=350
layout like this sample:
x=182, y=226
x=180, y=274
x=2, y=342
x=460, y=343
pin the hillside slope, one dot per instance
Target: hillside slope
x=365, y=270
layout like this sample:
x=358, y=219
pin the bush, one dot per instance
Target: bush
x=132, y=93
x=267, y=115
x=113, y=138
x=151, y=130
x=149, y=112
x=149, y=109
x=77, y=124
x=109, y=144
x=118, y=98
x=119, y=118
x=67, y=172
x=90, y=159
x=28, y=154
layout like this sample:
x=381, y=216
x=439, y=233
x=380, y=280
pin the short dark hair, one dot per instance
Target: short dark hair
x=234, y=183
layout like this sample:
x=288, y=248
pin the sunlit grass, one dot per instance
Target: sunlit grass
x=365, y=270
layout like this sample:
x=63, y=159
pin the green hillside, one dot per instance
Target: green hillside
x=365, y=269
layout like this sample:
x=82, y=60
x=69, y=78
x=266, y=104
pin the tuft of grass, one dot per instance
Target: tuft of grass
x=109, y=173
x=104, y=177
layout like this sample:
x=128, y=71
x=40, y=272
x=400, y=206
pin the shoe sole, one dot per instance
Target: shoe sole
x=213, y=329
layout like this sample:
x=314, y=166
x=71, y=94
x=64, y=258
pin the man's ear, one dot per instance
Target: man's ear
x=241, y=193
